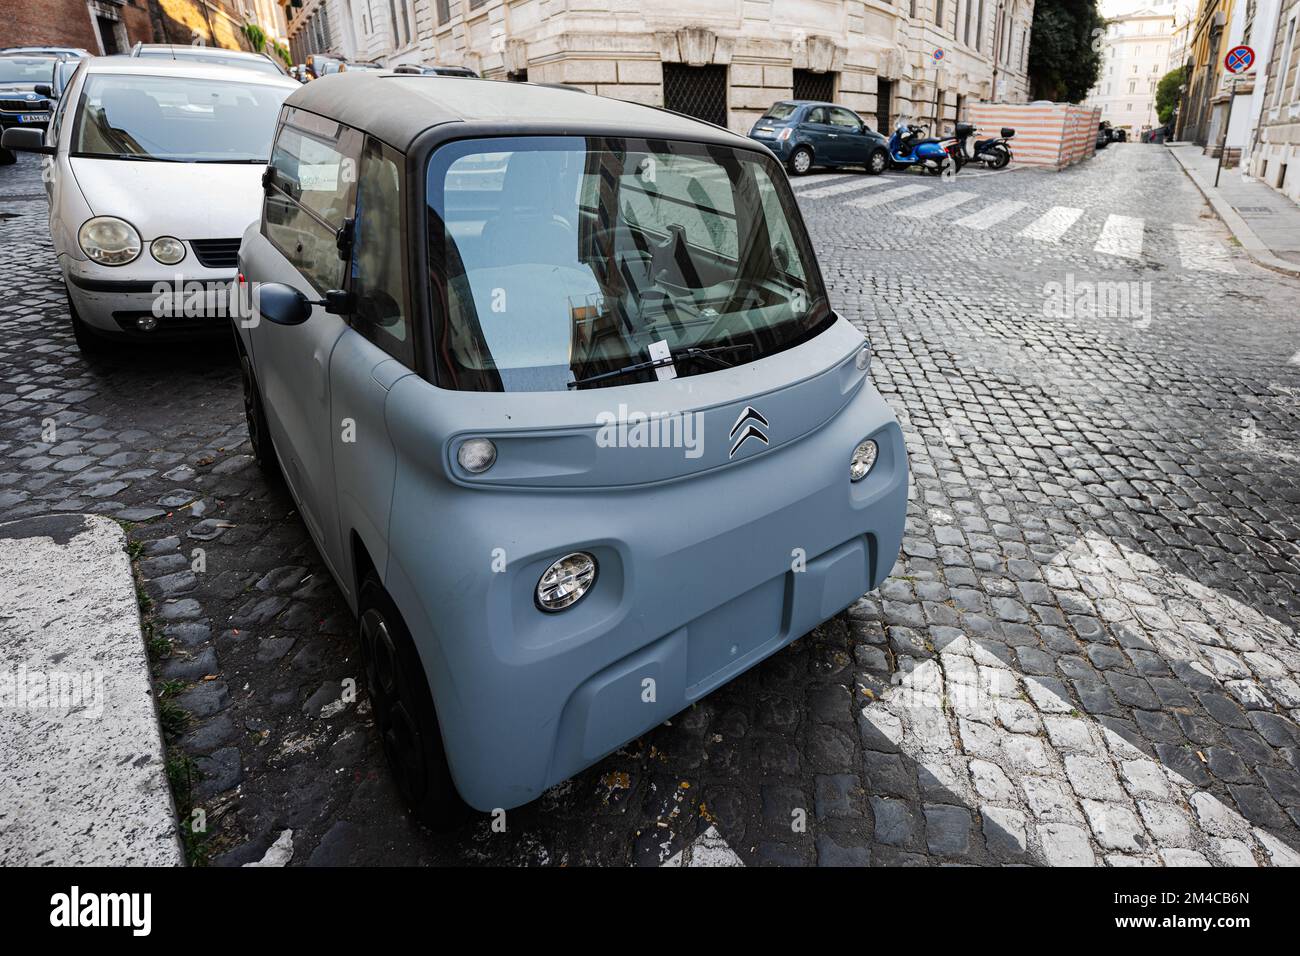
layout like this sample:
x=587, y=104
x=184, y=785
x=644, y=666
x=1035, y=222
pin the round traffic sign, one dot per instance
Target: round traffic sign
x=1239, y=59
x=939, y=54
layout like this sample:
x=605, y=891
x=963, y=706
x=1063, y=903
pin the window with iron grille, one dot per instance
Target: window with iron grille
x=814, y=86
x=699, y=91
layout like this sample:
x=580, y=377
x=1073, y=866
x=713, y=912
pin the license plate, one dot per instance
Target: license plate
x=33, y=117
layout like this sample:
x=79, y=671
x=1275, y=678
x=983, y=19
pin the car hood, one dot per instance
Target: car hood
x=17, y=89
x=185, y=200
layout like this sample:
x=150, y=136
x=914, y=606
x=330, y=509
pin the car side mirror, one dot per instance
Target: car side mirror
x=22, y=140
x=282, y=304
x=43, y=89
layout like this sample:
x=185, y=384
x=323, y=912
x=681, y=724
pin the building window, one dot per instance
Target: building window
x=938, y=13
x=444, y=11
x=814, y=86
x=966, y=30
x=699, y=91
x=979, y=28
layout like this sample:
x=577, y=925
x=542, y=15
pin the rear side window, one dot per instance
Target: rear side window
x=781, y=111
x=817, y=115
x=311, y=195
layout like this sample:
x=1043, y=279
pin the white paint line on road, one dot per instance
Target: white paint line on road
x=1295, y=359
x=707, y=849
x=837, y=189
x=937, y=205
x=803, y=181
x=1201, y=252
x=1121, y=236
x=1053, y=224
x=879, y=199
x=992, y=215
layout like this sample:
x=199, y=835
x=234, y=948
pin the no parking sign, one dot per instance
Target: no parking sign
x=1239, y=59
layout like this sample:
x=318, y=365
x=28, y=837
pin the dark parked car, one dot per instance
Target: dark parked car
x=435, y=69
x=806, y=133
x=27, y=83
x=1103, y=134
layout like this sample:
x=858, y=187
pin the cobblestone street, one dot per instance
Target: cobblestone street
x=1087, y=652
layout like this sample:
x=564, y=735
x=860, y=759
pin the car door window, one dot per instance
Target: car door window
x=378, y=259
x=311, y=194
x=844, y=119
x=817, y=115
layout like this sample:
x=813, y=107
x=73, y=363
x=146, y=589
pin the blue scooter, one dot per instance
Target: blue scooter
x=909, y=146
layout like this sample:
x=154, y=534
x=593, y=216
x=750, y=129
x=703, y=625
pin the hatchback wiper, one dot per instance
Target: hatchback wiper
x=137, y=157
x=709, y=354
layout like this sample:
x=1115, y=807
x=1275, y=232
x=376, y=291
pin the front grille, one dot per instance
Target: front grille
x=216, y=253
x=25, y=106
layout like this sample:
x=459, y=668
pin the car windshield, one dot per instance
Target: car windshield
x=781, y=111
x=178, y=119
x=26, y=69
x=560, y=259
x=259, y=63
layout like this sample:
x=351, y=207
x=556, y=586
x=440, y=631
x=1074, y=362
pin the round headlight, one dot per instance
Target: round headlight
x=864, y=358
x=566, y=581
x=864, y=456
x=109, y=241
x=476, y=455
x=167, y=250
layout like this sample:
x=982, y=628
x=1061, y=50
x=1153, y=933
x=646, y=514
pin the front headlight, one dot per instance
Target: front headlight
x=109, y=241
x=863, y=457
x=566, y=581
x=167, y=250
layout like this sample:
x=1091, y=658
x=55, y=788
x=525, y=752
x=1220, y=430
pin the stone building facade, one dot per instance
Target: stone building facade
x=1275, y=158
x=1137, y=50
x=722, y=60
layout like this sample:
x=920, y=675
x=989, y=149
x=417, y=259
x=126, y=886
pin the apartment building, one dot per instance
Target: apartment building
x=722, y=60
x=1137, y=50
x=1275, y=143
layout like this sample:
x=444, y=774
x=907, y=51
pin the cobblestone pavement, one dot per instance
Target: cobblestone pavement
x=1086, y=653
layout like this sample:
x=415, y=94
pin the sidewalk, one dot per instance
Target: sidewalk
x=83, y=781
x=1265, y=222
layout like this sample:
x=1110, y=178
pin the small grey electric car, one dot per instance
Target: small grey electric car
x=556, y=385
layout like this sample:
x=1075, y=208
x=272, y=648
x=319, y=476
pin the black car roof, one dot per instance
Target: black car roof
x=397, y=107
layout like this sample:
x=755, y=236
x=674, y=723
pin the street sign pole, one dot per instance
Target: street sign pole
x=1223, y=142
x=1238, y=61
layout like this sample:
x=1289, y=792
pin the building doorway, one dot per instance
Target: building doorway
x=884, y=104
x=814, y=86
x=699, y=91
x=108, y=35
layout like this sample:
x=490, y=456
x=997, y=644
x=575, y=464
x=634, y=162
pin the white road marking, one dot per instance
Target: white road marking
x=992, y=215
x=879, y=199
x=836, y=189
x=707, y=849
x=937, y=205
x=798, y=181
x=1121, y=236
x=1295, y=359
x=1201, y=252
x=1053, y=224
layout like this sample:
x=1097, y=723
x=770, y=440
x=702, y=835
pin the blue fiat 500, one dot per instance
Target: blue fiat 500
x=564, y=405
x=806, y=133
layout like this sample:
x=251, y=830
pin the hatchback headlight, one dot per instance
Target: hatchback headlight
x=167, y=250
x=864, y=456
x=476, y=455
x=566, y=581
x=109, y=241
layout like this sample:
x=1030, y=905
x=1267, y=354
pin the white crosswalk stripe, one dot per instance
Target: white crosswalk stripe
x=837, y=189
x=937, y=205
x=879, y=199
x=804, y=181
x=1053, y=224
x=1201, y=252
x=1121, y=236
x=992, y=215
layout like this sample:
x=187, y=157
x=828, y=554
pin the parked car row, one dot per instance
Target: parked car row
x=475, y=277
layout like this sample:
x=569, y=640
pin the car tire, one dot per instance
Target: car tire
x=403, y=710
x=7, y=157
x=259, y=433
x=89, y=342
x=801, y=161
x=878, y=162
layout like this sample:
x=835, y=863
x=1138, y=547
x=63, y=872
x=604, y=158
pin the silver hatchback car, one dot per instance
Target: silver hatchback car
x=556, y=384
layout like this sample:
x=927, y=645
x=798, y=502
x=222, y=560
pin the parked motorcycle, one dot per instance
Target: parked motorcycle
x=909, y=146
x=994, y=153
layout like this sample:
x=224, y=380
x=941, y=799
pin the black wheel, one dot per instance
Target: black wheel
x=801, y=161
x=404, y=711
x=1004, y=158
x=7, y=158
x=89, y=342
x=259, y=435
x=936, y=170
x=878, y=162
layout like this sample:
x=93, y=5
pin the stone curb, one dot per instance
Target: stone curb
x=1254, y=246
x=84, y=781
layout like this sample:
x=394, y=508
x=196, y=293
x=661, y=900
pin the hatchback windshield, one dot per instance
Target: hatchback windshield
x=561, y=261
x=26, y=69
x=176, y=119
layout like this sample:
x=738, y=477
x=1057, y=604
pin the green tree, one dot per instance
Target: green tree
x=1167, y=93
x=1065, y=49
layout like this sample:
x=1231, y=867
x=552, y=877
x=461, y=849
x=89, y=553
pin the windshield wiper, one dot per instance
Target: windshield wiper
x=708, y=354
x=137, y=157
